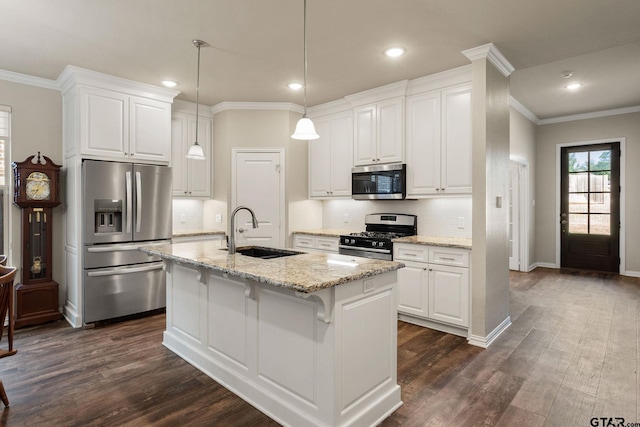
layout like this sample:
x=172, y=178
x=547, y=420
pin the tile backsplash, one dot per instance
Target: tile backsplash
x=442, y=217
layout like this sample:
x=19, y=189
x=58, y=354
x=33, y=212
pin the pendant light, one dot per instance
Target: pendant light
x=305, y=129
x=195, y=151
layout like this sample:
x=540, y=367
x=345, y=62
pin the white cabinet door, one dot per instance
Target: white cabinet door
x=191, y=178
x=199, y=171
x=364, y=141
x=456, y=140
x=449, y=294
x=330, y=157
x=320, y=160
x=311, y=243
x=423, y=144
x=391, y=125
x=412, y=289
x=341, y=154
x=150, y=130
x=104, y=123
x=379, y=132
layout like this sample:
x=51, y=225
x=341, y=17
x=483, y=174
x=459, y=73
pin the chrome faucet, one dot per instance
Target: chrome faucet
x=232, y=238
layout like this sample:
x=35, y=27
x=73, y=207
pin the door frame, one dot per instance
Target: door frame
x=524, y=208
x=282, y=205
x=623, y=153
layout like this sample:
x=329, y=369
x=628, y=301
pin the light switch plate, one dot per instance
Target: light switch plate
x=218, y=217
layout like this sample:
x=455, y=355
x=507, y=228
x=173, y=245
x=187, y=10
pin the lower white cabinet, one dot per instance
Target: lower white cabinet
x=314, y=243
x=433, y=288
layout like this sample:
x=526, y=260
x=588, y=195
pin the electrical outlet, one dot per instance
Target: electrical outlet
x=218, y=217
x=346, y=218
x=183, y=218
x=460, y=222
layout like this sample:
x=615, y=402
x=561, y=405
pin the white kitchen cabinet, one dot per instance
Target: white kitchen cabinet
x=191, y=178
x=116, y=125
x=433, y=288
x=330, y=157
x=379, y=132
x=314, y=243
x=439, y=142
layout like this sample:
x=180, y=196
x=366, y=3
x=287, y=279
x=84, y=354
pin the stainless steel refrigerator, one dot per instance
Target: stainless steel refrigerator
x=125, y=206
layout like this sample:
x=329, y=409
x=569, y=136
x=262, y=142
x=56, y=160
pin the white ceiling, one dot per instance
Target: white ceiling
x=256, y=46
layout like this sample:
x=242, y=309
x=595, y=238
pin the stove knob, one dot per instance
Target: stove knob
x=353, y=241
x=374, y=243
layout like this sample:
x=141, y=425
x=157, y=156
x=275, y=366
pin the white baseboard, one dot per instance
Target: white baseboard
x=630, y=273
x=546, y=265
x=484, y=342
x=70, y=313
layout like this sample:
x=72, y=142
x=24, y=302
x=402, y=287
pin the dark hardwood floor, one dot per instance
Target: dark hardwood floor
x=571, y=354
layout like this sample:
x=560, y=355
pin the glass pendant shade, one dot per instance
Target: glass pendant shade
x=195, y=152
x=305, y=130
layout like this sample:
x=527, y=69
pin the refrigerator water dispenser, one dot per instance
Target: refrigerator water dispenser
x=108, y=216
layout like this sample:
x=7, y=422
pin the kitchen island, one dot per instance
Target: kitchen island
x=309, y=339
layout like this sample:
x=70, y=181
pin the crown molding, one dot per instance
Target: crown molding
x=180, y=106
x=437, y=81
x=26, y=79
x=333, y=107
x=287, y=106
x=73, y=76
x=491, y=52
x=377, y=94
x=523, y=110
x=593, y=115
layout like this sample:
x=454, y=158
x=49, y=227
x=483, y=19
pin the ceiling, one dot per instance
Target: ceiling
x=256, y=46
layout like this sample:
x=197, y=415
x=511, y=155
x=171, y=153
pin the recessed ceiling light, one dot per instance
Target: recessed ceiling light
x=394, y=52
x=573, y=86
x=169, y=83
x=295, y=86
x=566, y=74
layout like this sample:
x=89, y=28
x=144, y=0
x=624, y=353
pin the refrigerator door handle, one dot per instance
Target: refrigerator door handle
x=138, y=201
x=129, y=201
x=121, y=247
x=128, y=270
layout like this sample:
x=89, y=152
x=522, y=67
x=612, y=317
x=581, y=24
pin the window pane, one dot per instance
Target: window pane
x=578, y=182
x=600, y=160
x=600, y=181
x=578, y=161
x=578, y=203
x=578, y=223
x=600, y=224
x=600, y=203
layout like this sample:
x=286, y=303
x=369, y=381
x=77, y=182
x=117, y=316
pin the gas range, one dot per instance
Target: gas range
x=376, y=242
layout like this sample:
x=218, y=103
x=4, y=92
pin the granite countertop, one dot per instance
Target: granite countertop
x=449, y=242
x=307, y=272
x=326, y=232
x=189, y=233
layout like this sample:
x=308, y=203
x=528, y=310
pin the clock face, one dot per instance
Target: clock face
x=38, y=186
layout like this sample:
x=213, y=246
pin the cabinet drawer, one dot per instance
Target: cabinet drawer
x=303, y=242
x=448, y=256
x=416, y=253
x=327, y=244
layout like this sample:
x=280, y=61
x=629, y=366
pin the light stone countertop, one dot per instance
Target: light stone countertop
x=325, y=232
x=306, y=272
x=190, y=233
x=448, y=242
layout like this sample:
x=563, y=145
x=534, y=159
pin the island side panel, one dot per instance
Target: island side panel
x=279, y=351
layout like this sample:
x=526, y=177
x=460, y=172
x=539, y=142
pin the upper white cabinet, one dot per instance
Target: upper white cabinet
x=439, y=142
x=379, y=132
x=119, y=126
x=191, y=178
x=330, y=157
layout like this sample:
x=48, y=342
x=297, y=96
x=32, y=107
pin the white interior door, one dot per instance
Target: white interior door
x=514, y=216
x=258, y=183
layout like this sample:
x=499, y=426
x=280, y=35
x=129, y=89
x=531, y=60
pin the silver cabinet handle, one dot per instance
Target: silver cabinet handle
x=129, y=201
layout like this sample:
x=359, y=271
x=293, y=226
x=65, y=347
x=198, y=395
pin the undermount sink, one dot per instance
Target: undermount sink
x=264, y=252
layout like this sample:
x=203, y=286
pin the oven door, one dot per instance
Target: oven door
x=366, y=253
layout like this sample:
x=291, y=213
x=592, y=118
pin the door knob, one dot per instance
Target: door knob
x=240, y=230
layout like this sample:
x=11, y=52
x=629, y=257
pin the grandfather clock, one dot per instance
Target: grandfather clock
x=36, y=192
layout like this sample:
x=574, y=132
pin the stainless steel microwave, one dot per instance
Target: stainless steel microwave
x=386, y=182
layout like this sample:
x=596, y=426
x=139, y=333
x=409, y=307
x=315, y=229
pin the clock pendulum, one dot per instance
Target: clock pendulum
x=36, y=192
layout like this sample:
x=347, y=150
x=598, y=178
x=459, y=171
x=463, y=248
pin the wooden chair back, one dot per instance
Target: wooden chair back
x=7, y=275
